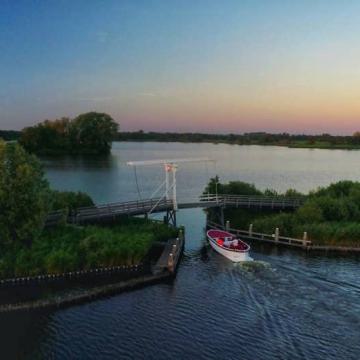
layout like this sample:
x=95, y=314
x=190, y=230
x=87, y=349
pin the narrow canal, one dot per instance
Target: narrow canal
x=284, y=305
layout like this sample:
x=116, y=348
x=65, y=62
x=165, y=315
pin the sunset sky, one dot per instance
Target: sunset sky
x=178, y=65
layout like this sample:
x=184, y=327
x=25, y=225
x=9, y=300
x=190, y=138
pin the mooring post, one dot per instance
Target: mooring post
x=227, y=225
x=181, y=234
x=305, y=237
x=276, y=234
x=250, y=230
x=171, y=262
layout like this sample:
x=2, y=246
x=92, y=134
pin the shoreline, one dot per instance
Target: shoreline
x=289, y=146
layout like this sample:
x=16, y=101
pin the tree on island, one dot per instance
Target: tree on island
x=93, y=130
x=24, y=196
x=89, y=133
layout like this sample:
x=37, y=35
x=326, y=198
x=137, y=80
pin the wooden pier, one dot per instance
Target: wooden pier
x=277, y=240
x=274, y=239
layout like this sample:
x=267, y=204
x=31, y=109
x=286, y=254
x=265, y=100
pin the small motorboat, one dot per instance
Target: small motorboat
x=228, y=245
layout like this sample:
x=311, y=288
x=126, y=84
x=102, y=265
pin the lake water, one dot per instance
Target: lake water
x=284, y=305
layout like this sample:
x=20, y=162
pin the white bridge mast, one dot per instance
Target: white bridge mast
x=170, y=166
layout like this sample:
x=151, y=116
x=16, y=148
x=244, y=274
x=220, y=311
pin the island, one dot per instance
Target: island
x=89, y=133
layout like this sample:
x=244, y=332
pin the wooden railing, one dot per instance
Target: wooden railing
x=269, y=238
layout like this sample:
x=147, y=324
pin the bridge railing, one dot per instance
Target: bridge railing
x=157, y=204
x=253, y=200
x=119, y=208
x=108, y=210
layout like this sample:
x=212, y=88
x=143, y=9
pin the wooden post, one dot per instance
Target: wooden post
x=227, y=225
x=181, y=234
x=276, y=234
x=305, y=237
x=250, y=230
x=171, y=262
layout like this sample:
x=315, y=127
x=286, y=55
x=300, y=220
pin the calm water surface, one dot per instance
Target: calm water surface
x=284, y=305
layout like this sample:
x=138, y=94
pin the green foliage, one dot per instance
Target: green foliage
x=89, y=133
x=310, y=212
x=93, y=130
x=330, y=215
x=24, y=196
x=9, y=135
x=70, y=200
x=232, y=188
x=71, y=248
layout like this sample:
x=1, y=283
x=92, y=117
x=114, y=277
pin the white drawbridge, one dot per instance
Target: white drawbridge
x=170, y=169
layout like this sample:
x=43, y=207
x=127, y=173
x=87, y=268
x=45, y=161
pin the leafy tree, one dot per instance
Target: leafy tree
x=88, y=133
x=24, y=196
x=70, y=200
x=94, y=130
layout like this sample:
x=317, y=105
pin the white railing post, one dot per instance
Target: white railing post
x=277, y=234
x=305, y=238
x=250, y=230
x=227, y=225
x=171, y=262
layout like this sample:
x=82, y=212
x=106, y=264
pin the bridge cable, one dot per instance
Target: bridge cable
x=137, y=183
x=207, y=178
x=216, y=180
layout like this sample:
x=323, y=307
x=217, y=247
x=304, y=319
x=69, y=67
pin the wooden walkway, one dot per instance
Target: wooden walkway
x=111, y=211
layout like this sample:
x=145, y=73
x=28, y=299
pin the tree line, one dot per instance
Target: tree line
x=252, y=138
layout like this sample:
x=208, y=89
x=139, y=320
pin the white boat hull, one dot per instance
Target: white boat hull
x=235, y=256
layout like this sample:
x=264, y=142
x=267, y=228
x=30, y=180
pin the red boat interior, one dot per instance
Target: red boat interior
x=227, y=240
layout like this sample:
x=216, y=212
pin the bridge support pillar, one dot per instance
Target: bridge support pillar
x=170, y=217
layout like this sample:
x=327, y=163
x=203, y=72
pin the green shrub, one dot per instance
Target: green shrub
x=330, y=215
x=70, y=200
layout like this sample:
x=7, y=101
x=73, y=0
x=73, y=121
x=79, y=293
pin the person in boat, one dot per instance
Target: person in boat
x=228, y=241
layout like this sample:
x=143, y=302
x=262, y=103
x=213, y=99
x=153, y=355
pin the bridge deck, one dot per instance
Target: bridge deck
x=114, y=210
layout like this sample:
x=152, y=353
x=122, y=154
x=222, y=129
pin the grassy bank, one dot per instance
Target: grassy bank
x=330, y=215
x=72, y=248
